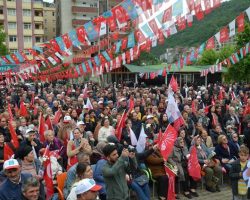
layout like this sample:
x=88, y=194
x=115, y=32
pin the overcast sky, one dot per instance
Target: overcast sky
x=50, y=1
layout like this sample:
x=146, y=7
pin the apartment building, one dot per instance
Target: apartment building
x=49, y=17
x=74, y=13
x=23, y=24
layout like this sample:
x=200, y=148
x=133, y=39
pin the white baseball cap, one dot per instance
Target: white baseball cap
x=85, y=106
x=29, y=130
x=86, y=185
x=11, y=164
x=122, y=99
x=80, y=123
x=150, y=116
x=100, y=102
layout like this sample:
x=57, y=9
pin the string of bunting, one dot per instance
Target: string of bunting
x=222, y=36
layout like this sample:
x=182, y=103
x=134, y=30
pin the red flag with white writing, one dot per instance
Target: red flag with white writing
x=166, y=144
x=194, y=168
x=47, y=176
x=210, y=43
x=224, y=35
x=173, y=83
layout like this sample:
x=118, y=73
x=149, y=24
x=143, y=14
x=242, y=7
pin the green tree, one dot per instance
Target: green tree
x=147, y=59
x=3, y=48
x=241, y=70
x=208, y=57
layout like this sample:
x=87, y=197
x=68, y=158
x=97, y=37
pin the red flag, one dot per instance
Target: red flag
x=198, y=12
x=224, y=35
x=23, y=110
x=13, y=134
x=194, y=168
x=121, y=125
x=206, y=109
x=240, y=22
x=57, y=117
x=194, y=109
x=41, y=127
x=10, y=112
x=181, y=23
x=131, y=104
x=207, y=6
x=171, y=184
x=158, y=140
x=13, y=56
x=210, y=43
x=153, y=26
x=111, y=23
x=190, y=4
x=173, y=83
x=167, y=16
x=54, y=45
x=167, y=142
x=119, y=14
x=66, y=40
x=8, y=152
x=81, y=34
x=48, y=174
x=146, y=5
x=139, y=36
x=49, y=123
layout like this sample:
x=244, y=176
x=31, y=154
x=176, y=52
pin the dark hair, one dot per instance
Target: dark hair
x=81, y=169
x=108, y=149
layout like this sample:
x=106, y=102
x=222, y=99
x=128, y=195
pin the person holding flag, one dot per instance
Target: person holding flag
x=179, y=158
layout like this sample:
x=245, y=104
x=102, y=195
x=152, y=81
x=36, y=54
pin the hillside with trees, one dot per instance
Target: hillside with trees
x=204, y=29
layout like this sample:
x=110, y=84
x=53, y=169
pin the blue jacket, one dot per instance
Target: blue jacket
x=223, y=153
x=98, y=176
x=12, y=191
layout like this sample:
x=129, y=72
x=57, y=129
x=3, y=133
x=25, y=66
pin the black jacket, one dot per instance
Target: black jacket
x=234, y=174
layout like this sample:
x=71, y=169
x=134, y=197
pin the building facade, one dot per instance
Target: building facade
x=49, y=16
x=23, y=23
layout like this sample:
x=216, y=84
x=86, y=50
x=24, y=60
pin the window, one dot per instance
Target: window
x=26, y=26
x=54, y=30
x=39, y=39
x=27, y=39
x=26, y=12
x=12, y=38
x=12, y=25
x=13, y=50
x=11, y=12
x=53, y=13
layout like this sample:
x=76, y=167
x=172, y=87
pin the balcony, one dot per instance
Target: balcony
x=27, y=19
x=26, y=5
x=27, y=45
x=12, y=31
x=1, y=17
x=38, y=5
x=77, y=22
x=27, y=32
x=11, y=4
x=38, y=19
x=76, y=9
x=1, y=3
x=13, y=45
x=11, y=18
x=39, y=31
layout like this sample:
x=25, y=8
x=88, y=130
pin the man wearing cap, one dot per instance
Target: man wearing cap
x=123, y=105
x=11, y=187
x=32, y=141
x=87, y=189
x=114, y=173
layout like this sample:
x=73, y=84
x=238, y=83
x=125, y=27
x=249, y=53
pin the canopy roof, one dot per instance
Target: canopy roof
x=154, y=68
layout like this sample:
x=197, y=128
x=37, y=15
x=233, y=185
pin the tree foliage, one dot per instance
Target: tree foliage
x=146, y=59
x=3, y=48
x=204, y=29
x=241, y=70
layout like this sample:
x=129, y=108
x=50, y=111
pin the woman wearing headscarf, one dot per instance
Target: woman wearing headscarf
x=179, y=158
x=209, y=165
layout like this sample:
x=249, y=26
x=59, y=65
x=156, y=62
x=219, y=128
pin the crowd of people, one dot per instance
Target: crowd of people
x=81, y=125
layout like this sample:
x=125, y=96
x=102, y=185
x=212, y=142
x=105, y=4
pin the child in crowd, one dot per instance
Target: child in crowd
x=239, y=186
